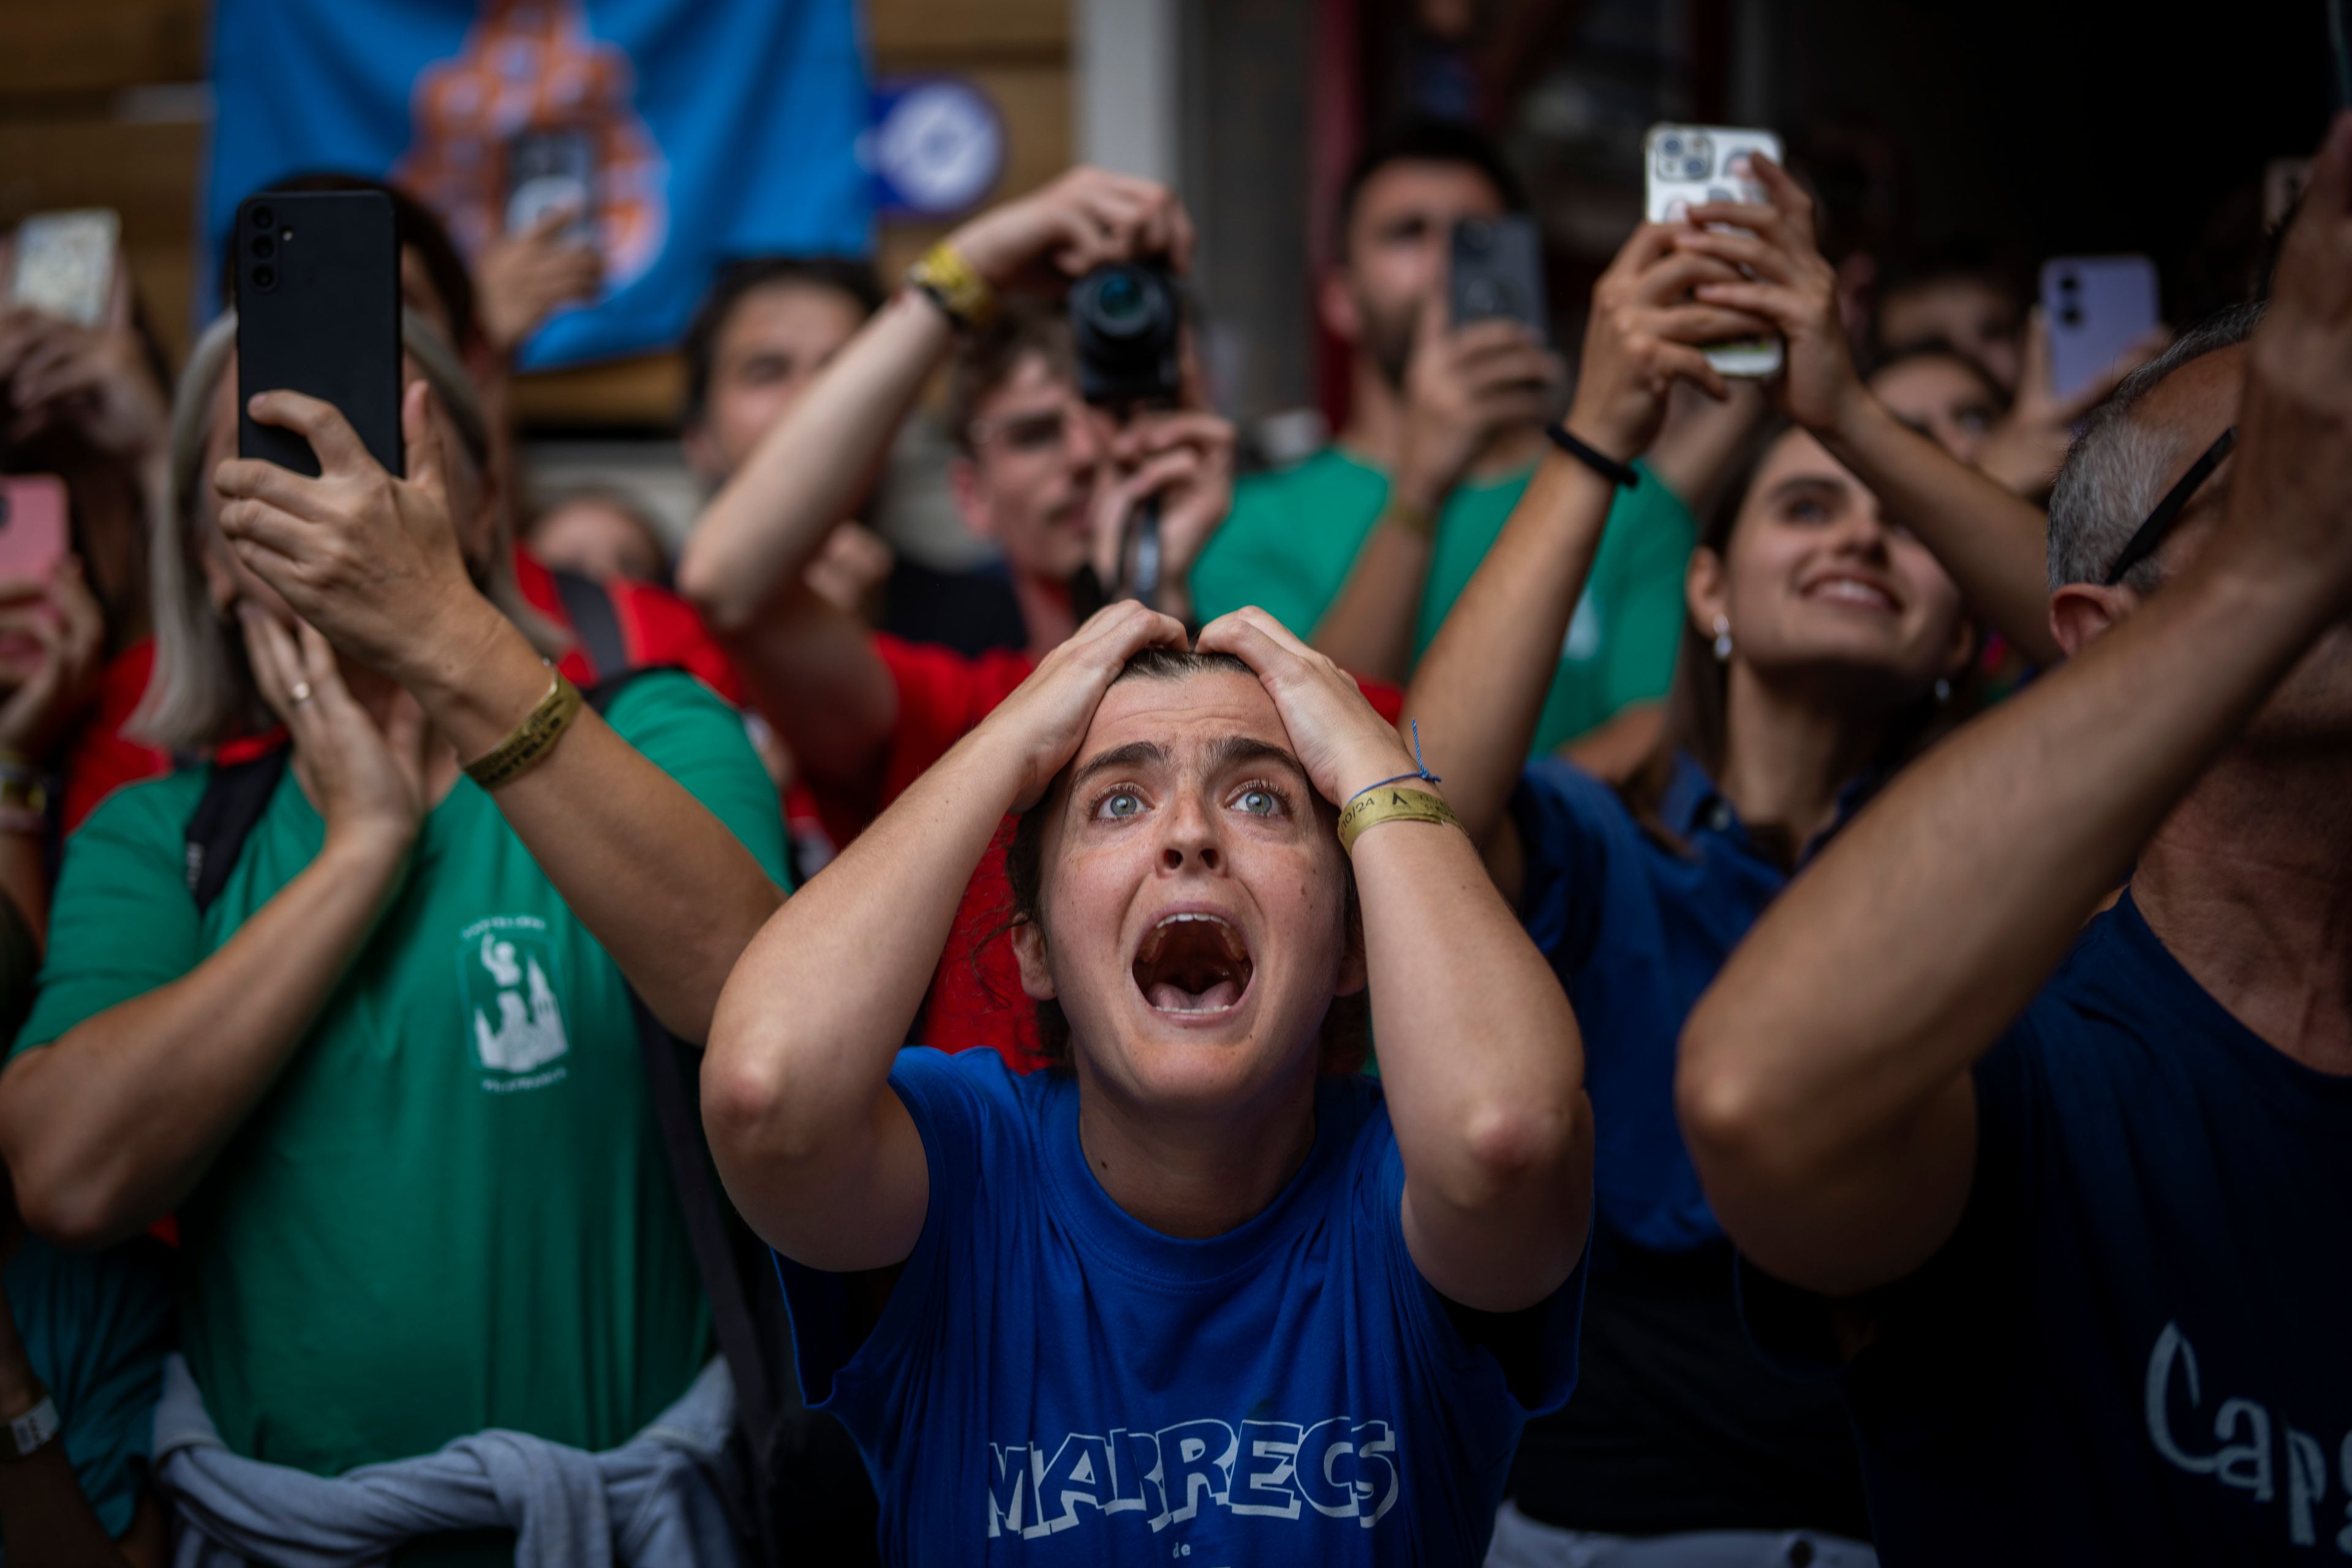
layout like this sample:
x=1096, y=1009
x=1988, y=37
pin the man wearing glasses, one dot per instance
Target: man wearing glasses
x=1049, y=480
x=2066, y=1203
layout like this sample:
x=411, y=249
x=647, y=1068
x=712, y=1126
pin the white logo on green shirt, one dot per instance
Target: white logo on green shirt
x=517, y=1025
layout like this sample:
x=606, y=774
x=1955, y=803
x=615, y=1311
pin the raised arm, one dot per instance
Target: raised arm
x=1462, y=386
x=811, y=663
x=814, y=1148
x=1825, y=1085
x=1479, y=1053
x=374, y=563
x=1480, y=688
x=109, y=1127
x=1991, y=540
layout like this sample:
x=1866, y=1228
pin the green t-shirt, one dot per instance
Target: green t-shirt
x=1294, y=535
x=450, y=1211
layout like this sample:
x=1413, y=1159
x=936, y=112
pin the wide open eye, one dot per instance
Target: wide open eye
x=1259, y=801
x=1120, y=805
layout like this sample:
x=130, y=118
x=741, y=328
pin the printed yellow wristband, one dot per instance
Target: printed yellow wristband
x=530, y=742
x=1388, y=803
x=944, y=275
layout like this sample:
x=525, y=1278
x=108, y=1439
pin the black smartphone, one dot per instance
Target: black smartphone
x=318, y=312
x=551, y=169
x=1498, y=270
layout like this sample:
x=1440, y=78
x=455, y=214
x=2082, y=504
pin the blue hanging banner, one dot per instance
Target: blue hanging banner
x=689, y=131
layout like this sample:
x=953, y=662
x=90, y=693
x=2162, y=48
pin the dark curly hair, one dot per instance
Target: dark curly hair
x=1347, y=1033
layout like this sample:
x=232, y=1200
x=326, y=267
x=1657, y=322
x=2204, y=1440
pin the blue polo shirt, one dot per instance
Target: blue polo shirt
x=1053, y=1381
x=1637, y=928
x=1677, y=1424
x=2137, y=1346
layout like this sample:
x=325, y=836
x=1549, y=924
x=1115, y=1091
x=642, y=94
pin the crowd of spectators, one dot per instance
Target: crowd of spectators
x=1620, y=966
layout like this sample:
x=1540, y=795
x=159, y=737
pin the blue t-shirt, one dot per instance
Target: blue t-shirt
x=1053, y=1381
x=2137, y=1347
x=1637, y=928
x=96, y=1327
x=1677, y=1424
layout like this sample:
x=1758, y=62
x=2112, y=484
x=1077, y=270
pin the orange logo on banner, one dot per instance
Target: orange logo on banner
x=530, y=65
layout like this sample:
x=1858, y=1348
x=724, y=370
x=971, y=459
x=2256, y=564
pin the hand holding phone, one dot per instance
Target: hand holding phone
x=2096, y=308
x=318, y=312
x=1687, y=166
x=1496, y=269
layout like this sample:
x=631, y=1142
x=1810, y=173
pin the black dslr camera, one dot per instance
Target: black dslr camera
x=1124, y=321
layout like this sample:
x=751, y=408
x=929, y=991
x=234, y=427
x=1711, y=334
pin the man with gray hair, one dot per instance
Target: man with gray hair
x=2065, y=1201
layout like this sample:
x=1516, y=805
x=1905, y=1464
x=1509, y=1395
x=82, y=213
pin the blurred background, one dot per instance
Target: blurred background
x=1989, y=132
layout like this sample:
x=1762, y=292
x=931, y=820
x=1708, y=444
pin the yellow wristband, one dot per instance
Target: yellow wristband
x=944, y=275
x=1417, y=520
x=1389, y=802
x=528, y=744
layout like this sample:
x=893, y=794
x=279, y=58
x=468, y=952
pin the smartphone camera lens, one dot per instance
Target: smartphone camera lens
x=1671, y=146
x=2069, y=316
x=264, y=277
x=263, y=218
x=264, y=247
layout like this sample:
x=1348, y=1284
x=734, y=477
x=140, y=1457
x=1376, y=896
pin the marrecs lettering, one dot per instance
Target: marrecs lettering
x=1337, y=1469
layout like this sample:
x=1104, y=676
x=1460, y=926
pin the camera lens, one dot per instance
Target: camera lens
x=265, y=277
x=1671, y=145
x=263, y=245
x=263, y=218
x=2069, y=283
x=2070, y=317
x=1119, y=298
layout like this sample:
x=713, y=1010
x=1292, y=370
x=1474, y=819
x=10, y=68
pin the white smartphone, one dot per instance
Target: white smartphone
x=65, y=263
x=1688, y=164
x=2096, y=307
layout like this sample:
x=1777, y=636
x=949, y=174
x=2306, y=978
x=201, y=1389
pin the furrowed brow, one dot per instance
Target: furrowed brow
x=1134, y=755
x=1236, y=751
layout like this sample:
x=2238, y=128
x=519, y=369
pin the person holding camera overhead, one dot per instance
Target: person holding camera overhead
x=386, y=1071
x=1051, y=481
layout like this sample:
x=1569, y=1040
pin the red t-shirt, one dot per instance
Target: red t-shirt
x=976, y=997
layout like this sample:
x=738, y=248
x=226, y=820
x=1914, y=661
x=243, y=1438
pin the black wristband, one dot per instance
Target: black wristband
x=1623, y=475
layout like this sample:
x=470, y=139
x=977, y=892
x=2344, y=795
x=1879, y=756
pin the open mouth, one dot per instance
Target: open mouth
x=1192, y=962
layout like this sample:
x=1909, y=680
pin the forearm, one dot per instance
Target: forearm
x=1368, y=630
x=1992, y=543
x=795, y=1083
x=111, y=1126
x=1833, y=1052
x=24, y=883
x=813, y=671
x=772, y=518
x=659, y=881
x=1483, y=1068
x=1481, y=687
x=45, y=1520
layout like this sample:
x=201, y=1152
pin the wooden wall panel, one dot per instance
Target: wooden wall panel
x=53, y=46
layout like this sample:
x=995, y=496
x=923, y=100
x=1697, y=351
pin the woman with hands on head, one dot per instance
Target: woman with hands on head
x=1991, y=540
x=1200, y=1288
x=400, y=1029
x=1816, y=637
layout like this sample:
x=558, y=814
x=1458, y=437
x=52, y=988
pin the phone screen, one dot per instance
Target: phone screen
x=549, y=170
x=65, y=264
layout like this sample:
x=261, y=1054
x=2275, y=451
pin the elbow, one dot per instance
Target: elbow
x=1736, y=1120
x=748, y=1106
x=78, y=1210
x=1509, y=1147
x=704, y=582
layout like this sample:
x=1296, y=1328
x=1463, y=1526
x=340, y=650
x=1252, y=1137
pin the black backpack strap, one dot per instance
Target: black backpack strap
x=588, y=606
x=235, y=794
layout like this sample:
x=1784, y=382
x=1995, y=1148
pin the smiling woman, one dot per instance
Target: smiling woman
x=1162, y=1297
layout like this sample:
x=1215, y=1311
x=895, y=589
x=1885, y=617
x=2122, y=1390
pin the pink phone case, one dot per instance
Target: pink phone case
x=32, y=525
